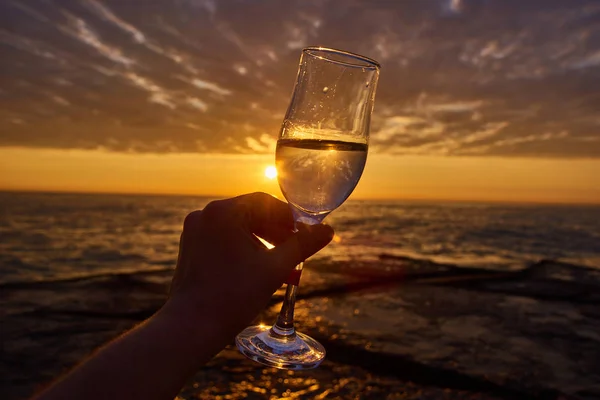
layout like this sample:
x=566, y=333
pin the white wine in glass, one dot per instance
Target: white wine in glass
x=320, y=157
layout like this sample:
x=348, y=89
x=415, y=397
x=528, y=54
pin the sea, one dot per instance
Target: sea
x=429, y=299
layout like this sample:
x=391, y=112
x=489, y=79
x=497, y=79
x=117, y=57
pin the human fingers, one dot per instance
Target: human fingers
x=261, y=210
x=299, y=246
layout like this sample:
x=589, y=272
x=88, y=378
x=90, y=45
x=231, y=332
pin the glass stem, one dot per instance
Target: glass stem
x=284, y=327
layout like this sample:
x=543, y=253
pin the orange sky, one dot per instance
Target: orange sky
x=398, y=177
x=187, y=97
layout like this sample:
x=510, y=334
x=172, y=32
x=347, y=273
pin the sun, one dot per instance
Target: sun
x=271, y=172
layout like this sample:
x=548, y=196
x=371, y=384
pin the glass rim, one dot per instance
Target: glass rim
x=366, y=61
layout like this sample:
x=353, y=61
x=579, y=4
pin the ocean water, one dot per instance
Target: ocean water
x=422, y=300
x=57, y=236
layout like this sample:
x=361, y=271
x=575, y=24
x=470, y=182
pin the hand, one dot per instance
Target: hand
x=225, y=276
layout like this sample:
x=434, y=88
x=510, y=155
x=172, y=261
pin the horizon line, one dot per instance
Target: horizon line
x=370, y=199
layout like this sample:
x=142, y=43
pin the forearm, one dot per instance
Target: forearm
x=152, y=361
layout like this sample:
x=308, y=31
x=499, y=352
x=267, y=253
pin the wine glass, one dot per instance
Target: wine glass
x=320, y=157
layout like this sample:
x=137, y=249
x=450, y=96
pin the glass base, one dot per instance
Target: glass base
x=296, y=352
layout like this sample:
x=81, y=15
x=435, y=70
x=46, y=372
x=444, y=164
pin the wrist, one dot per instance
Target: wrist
x=192, y=324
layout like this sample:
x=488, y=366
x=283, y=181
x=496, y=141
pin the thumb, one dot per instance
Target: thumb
x=308, y=240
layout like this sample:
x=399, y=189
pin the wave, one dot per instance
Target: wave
x=543, y=280
x=548, y=280
x=48, y=283
x=88, y=307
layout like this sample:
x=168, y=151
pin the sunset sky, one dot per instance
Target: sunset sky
x=494, y=100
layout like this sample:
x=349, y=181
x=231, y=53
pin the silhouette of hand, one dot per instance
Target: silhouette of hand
x=225, y=276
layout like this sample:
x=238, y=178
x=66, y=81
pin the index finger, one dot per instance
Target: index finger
x=264, y=214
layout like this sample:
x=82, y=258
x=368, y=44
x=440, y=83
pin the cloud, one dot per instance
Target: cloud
x=197, y=104
x=26, y=45
x=107, y=14
x=30, y=11
x=456, y=107
x=158, y=95
x=213, y=87
x=459, y=77
x=588, y=61
x=79, y=29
